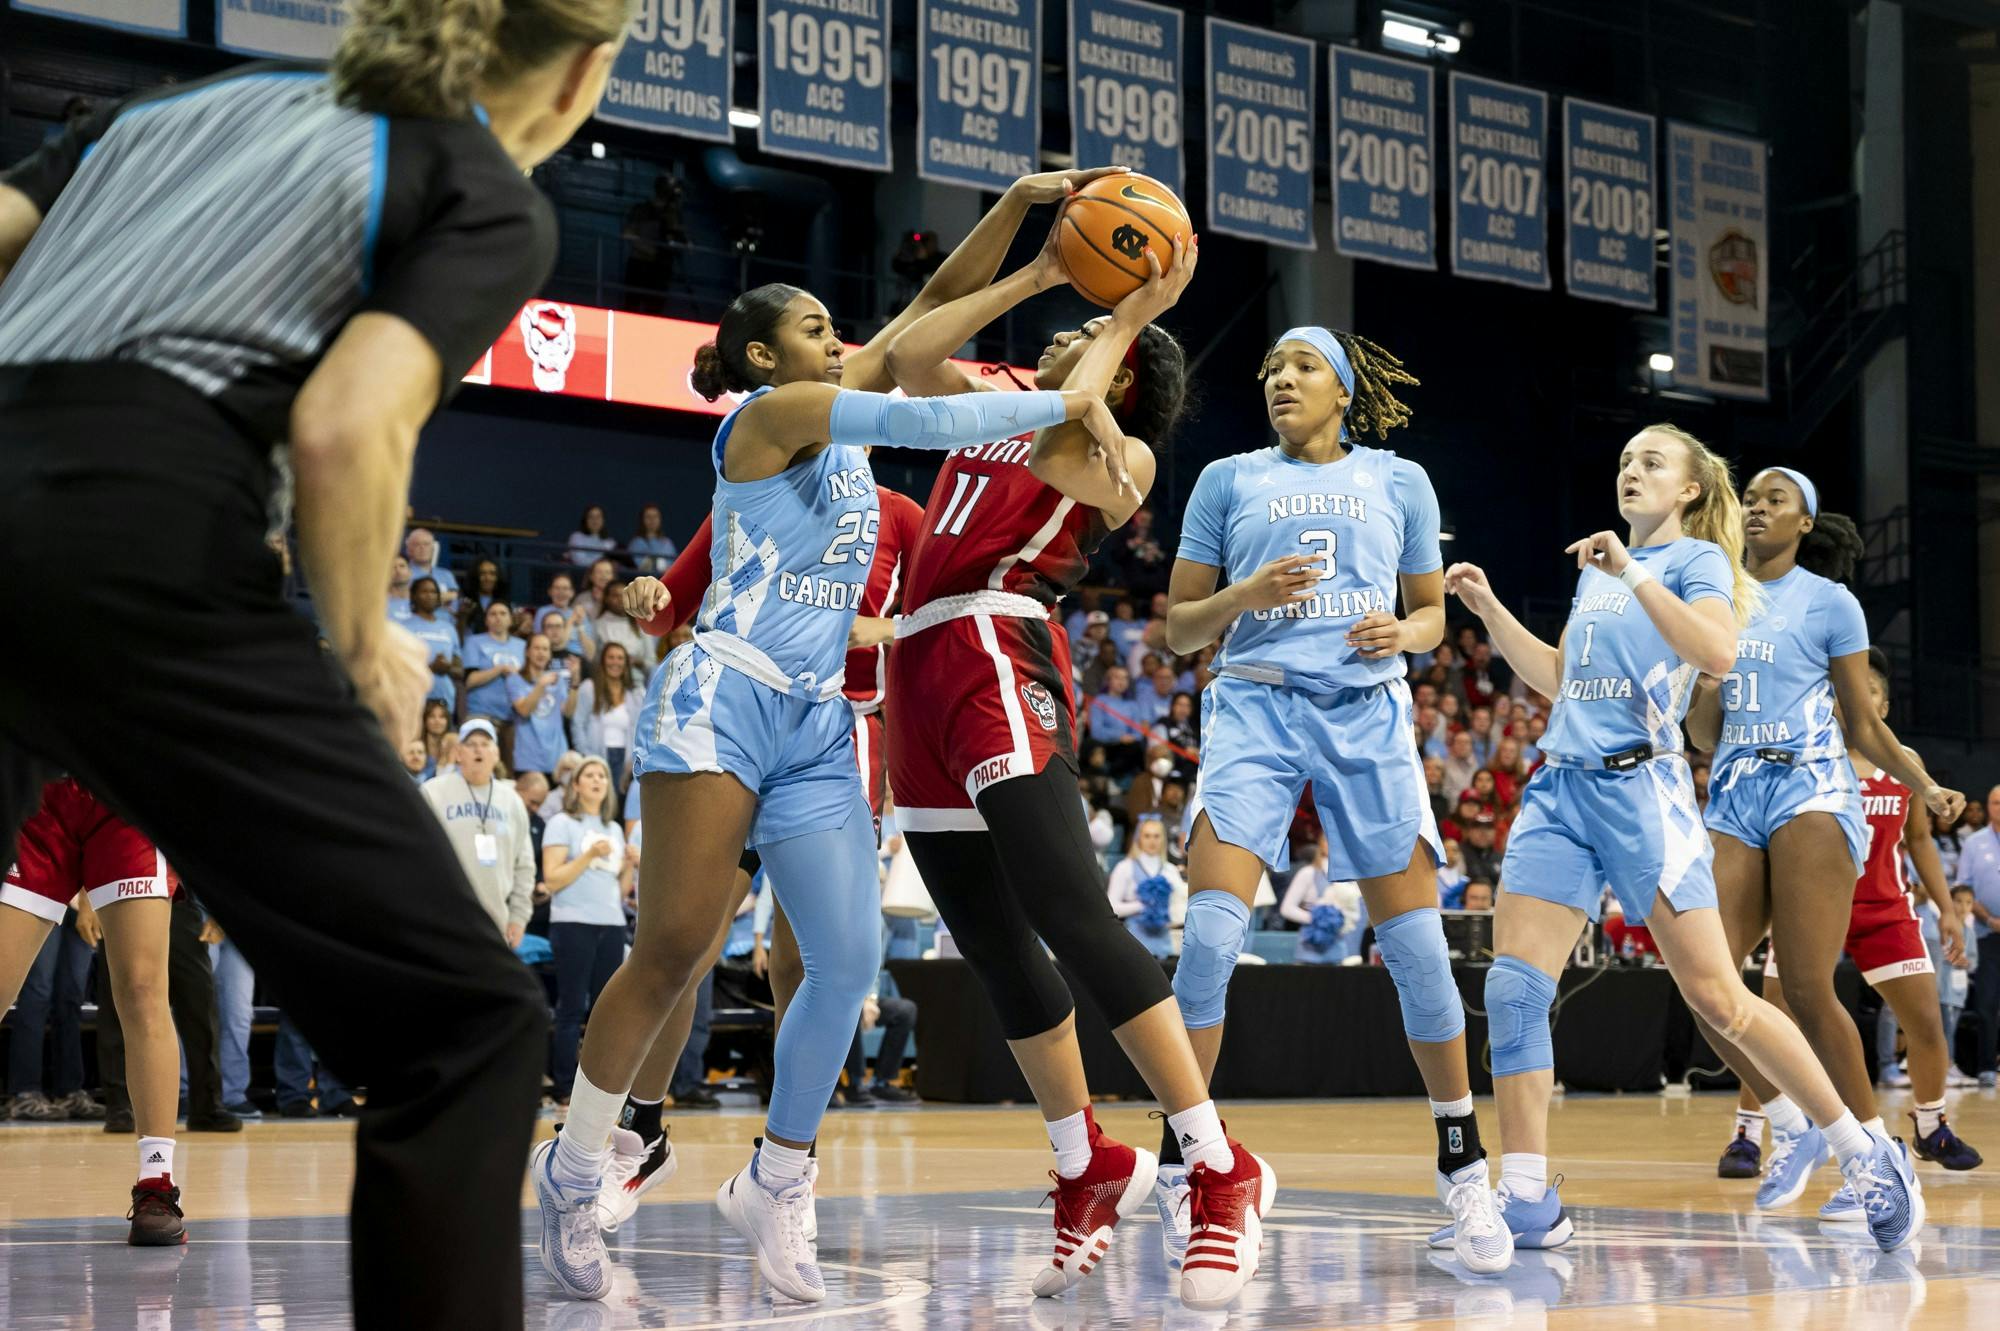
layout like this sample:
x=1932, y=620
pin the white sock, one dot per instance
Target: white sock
x=1847, y=1137
x=1929, y=1117
x=1071, y=1139
x=1199, y=1130
x=1876, y=1126
x=156, y=1158
x=778, y=1165
x=584, y=1142
x=1458, y=1108
x=1750, y=1123
x=1526, y=1176
x=1785, y=1116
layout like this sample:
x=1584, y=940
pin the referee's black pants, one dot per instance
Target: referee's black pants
x=179, y=686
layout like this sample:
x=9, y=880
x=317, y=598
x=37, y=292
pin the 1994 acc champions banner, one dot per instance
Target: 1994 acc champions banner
x=824, y=86
x=1722, y=273
x=1125, y=88
x=675, y=72
x=979, y=91
x=1260, y=134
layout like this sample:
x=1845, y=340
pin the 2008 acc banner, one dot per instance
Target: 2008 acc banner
x=824, y=86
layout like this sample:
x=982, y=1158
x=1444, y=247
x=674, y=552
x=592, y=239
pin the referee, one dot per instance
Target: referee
x=284, y=255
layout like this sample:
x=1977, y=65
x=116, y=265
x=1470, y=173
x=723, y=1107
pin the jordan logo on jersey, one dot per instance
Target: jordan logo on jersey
x=1040, y=703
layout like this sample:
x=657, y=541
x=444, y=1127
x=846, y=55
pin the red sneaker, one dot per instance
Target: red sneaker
x=156, y=1214
x=1118, y=1181
x=1226, y=1231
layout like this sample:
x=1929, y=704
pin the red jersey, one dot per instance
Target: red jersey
x=1886, y=802
x=991, y=526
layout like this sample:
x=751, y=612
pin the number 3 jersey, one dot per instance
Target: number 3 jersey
x=1370, y=517
x=1779, y=695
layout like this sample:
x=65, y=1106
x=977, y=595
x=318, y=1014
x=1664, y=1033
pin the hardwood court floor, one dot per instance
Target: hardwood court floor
x=929, y=1218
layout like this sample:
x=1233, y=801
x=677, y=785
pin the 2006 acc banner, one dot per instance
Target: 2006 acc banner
x=1383, y=150
x=979, y=91
x=824, y=86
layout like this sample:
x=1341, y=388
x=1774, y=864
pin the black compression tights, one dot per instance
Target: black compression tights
x=1031, y=878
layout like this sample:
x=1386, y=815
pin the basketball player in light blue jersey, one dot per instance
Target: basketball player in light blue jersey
x=1614, y=803
x=746, y=737
x=1784, y=808
x=1319, y=538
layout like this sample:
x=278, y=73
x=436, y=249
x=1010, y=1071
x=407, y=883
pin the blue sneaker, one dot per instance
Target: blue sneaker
x=571, y=1245
x=1742, y=1158
x=1794, y=1157
x=1888, y=1190
x=1843, y=1208
x=1542, y=1224
x=1944, y=1148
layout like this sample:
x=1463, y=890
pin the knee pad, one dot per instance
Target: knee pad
x=1211, y=940
x=1413, y=949
x=1518, y=999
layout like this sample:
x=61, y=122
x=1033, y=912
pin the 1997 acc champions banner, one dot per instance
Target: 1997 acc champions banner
x=1260, y=134
x=1720, y=187
x=1125, y=88
x=824, y=86
x=676, y=71
x=1382, y=154
x=979, y=91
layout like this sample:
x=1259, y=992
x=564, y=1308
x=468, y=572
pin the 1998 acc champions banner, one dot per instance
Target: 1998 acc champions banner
x=675, y=72
x=1125, y=88
x=1722, y=273
x=979, y=91
x=1382, y=155
x=824, y=86
x=1260, y=134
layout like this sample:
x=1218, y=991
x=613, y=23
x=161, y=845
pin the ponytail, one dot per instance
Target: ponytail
x=430, y=57
x=1716, y=516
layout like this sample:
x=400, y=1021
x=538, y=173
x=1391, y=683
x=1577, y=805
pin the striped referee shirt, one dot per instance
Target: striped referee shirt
x=224, y=232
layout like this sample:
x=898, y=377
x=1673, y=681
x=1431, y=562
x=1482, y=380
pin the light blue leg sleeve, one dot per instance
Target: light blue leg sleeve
x=826, y=883
x=1218, y=924
x=1413, y=949
x=1518, y=999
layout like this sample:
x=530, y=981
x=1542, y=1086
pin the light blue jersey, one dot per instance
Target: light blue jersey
x=1779, y=695
x=790, y=560
x=1622, y=685
x=1370, y=516
x=440, y=638
x=482, y=652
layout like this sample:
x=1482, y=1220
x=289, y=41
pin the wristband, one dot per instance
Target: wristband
x=1634, y=574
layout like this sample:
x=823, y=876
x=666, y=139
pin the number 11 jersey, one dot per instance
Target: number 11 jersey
x=1369, y=517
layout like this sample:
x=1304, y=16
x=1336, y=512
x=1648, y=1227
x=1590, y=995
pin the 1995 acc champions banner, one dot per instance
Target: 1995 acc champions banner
x=824, y=86
x=1125, y=88
x=1382, y=154
x=1722, y=273
x=676, y=71
x=979, y=91
x=1260, y=134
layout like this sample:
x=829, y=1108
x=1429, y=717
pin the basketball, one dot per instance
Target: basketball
x=1105, y=228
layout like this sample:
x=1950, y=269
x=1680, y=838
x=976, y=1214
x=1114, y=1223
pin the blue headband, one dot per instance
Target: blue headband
x=1323, y=341
x=1806, y=487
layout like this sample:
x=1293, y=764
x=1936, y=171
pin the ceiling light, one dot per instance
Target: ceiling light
x=743, y=119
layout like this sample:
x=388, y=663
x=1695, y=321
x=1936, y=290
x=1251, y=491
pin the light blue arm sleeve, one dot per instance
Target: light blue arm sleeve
x=1205, y=524
x=1421, y=522
x=1846, y=626
x=863, y=419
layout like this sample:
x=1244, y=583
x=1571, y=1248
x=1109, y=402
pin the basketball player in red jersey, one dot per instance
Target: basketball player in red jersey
x=982, y=757
x=73, y=844
x=1885, y=940
x=642, y=1157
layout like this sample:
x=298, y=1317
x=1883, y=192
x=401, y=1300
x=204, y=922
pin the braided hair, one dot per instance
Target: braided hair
x=1158, y=397
x=1832, y=548
x=1374, y=409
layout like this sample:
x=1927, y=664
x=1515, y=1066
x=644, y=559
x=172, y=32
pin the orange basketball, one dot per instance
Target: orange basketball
x=1105, y=228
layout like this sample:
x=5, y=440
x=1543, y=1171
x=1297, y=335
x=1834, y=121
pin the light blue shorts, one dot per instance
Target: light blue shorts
x=795, y=753
x=1638, y=831
x=1751, y=799
x=1261, y=744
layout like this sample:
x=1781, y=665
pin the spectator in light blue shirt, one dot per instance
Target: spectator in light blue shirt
x=489, y=658
x=1127, y=629
x=1114, y=723
x=588, y=874
x=565, y=621
x=1151, y=698
x=590, y=541
x=422, y=549
x=399, y=589
x=439, y=635
x=1979, y=869
x=652, y=550
x=540, y=695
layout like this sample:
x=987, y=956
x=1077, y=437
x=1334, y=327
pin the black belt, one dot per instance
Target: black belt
x=1623, y=761
x=1782, y=757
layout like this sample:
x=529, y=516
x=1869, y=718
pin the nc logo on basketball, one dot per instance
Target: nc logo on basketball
x=1129, y=241
x=1041, y=704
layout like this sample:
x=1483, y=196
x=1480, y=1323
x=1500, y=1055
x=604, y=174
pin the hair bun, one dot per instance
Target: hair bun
x=706, y=376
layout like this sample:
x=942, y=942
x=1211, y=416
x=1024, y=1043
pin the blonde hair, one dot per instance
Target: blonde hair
x=573, y=797
x=1716, y=516
x=429, y=57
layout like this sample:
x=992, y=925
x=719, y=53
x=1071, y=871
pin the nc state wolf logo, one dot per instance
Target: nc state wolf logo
x=548, y=332
x=1732, y=263
x=1041, y=704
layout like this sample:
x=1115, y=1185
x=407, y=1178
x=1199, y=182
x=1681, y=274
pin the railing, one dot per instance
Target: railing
x=1847, y=326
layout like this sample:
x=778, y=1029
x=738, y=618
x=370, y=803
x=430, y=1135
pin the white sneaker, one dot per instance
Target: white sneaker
x=1170, y=1196
x=812, y=1200
x=775, y=1225
x=636, y=1168
x=1480, y=1237
x=1954, y=1077
x=571, y=1247
x=1895, y=1078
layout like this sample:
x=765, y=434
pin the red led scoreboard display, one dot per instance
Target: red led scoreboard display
x=613, y=356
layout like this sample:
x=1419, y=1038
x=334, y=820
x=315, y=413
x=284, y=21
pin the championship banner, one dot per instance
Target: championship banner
x=979, y=91
x=280, y=29
x=676, y=72
x=1609, y=175
x=159, y=18
x=1383, y=126
x=1499, y=182
x=1260, y=134
x=1722, y=283
x=614, y=356
x=823, y=90
x=1125, y=88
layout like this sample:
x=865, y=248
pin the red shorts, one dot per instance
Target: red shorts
x=74, y=844
x=871, y=753
x=974, y=700
x=1884, y=940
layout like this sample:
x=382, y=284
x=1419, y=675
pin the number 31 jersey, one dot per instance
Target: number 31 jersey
x=1370, y=517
